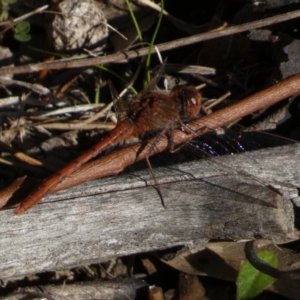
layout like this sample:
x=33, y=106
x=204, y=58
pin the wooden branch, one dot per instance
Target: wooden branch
x=122, y=215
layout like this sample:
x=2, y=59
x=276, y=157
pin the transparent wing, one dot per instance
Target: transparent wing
x=150, y=86
x=121, y=106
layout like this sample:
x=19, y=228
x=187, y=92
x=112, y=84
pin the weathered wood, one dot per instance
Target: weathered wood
x=96, y=289
x=122, y=215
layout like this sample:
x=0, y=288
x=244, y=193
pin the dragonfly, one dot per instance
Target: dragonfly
x=148, y=112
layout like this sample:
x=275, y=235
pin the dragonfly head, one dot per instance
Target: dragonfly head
x=187, y=99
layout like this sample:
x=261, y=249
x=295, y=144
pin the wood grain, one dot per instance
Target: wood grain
x=122, y=215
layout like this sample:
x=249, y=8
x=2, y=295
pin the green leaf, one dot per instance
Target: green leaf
x=250, y=281
x=22, y=31
x=23, y=26
x=22, y=37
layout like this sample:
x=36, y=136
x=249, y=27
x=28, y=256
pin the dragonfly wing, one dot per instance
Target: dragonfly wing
x=121, y=106
x=151, y=85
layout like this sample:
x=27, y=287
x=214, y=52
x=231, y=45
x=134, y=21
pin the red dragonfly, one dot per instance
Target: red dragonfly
x=148, y=112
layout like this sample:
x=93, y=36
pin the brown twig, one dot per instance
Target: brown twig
x=85, y=62
x=25, y=158
x=117, y=161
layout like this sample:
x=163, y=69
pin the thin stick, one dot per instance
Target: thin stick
x=24, y=157
x=85, y=62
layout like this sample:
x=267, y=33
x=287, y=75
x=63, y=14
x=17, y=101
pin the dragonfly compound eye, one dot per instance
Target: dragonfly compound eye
x=188, y=99
x=193, y=102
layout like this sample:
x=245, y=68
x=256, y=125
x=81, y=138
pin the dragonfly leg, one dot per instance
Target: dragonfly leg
x=169, y=126
x=184, y=128
x=156, y=183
